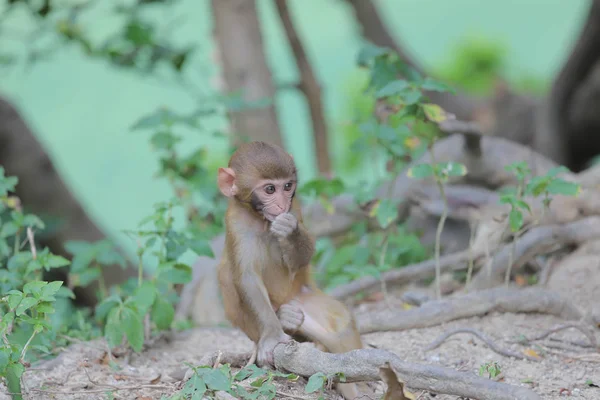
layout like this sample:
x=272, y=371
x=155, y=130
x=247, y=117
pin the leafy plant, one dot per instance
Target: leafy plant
x=492, y=369
x=250, y=383
x=544, y=186
x=27, y=300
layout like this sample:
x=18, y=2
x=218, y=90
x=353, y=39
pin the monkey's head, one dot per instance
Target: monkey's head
x=262, y=177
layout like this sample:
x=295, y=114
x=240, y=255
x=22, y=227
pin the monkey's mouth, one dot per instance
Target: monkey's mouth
x=271, y=216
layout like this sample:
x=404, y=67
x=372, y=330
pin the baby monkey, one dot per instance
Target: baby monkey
x=265, y=272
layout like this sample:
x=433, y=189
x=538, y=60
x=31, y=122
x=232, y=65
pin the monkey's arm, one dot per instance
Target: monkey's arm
x=255, y=299
x=298, y=248
x=297, y=244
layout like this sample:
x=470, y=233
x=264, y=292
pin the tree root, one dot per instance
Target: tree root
x=537, y=241
x=405, y=274
x=506, y=353
x=435, y=312
x=364, y=364
x=586, y=332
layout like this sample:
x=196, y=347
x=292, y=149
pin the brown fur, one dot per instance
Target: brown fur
x=259, y=272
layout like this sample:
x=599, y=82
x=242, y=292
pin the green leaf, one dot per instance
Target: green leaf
x=25, y=305
x=522, y=205
x=7, y=184
x=144, y=296
x=134, y=328
x=4, y=352
x=215, y=379
x=560, y=186
x=201, y=247
x=114, y=328
x=411, y=96
x=178, y=273
x=515, y=218
x=537, y=185
x=315, y=382
x=433, y=85
x=54, y=261
x=34, y=288
x=164, y=140
x=14, y=299
x=420, y=171
x=385, y=212
x=50, y=290
x=368, y=52
x=162, y=313
x=8, y=229
x=14, y=371
x=393, y=88
x=195, y=386
x=45, y=307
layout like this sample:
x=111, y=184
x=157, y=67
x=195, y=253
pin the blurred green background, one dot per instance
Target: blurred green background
x=81, y=109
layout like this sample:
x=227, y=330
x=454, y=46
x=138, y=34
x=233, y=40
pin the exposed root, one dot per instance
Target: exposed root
x=435, y=312
x=363, y=365
x=588, y=333
x=535, y=242
x=507, y=353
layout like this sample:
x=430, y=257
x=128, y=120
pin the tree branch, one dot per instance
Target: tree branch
x=311, y=89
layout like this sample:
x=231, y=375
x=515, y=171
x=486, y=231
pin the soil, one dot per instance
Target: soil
x=566, y=369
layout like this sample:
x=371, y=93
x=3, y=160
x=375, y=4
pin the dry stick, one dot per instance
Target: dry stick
x=507, y=353
x=501, y=299
x=309, y=86
x=363, y=365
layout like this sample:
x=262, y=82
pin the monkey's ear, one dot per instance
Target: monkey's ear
x=226, y=182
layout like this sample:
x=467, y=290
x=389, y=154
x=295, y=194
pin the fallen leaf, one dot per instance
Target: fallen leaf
x=156, y=380
x=531, y=353
x=395, y=387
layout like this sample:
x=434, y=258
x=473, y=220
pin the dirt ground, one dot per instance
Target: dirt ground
x=565, y=369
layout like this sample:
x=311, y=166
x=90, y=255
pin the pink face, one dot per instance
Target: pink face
x=275, y=195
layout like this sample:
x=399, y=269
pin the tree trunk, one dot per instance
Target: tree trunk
x=310, y=88
x=43, y=192
x=238, y=36
x=570, y=119
x=374, y=30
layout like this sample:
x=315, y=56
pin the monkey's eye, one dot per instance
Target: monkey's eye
x=270, y=189
x=288, y=186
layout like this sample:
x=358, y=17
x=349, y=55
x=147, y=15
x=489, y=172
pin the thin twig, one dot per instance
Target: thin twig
x=588, y=334
x=507, y=353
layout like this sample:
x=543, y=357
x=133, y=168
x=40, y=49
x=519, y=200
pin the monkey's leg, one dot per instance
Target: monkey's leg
x=329, y=323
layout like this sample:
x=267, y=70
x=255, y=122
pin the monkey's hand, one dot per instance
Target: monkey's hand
x=266, y=346
x=291, y=316
x=284, y=225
